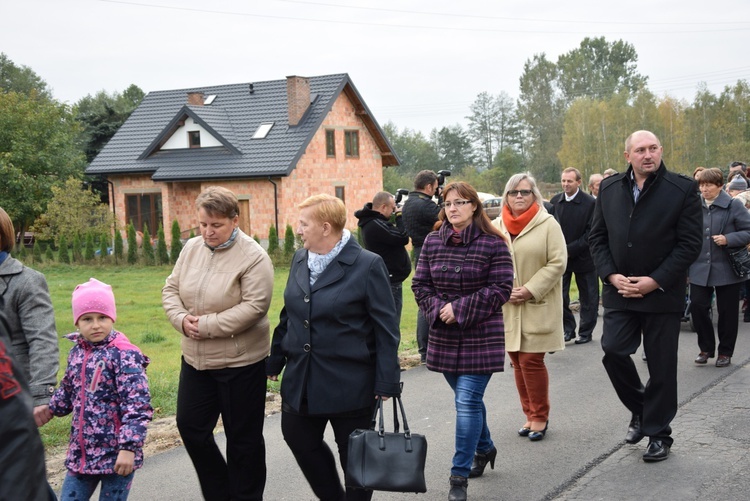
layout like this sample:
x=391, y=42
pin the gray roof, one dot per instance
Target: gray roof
x=232, y=118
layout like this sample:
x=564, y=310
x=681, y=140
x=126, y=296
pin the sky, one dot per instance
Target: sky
x=419, y=64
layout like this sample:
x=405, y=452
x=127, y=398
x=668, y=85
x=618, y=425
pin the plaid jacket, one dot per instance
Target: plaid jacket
x=476, y=277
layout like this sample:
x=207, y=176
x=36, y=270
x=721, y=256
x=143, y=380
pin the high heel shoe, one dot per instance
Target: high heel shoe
x=524, y=432
x=480, y=462
x=536, y=436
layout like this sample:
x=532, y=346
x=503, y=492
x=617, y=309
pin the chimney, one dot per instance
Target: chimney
x=298, y=97
x=196, y=98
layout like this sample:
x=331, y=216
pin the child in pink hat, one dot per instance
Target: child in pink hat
x=106, y=390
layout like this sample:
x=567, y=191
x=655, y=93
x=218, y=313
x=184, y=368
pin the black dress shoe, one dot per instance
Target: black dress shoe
x=524, y=432
x=634, y=434
x=703, y=357
x=569, y=336
x=480, y=462
x=536, y=436
x=583, y=340
x=657, y=451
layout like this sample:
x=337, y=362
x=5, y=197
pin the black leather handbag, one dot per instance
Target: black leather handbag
x=740, y=259
x=384, y=461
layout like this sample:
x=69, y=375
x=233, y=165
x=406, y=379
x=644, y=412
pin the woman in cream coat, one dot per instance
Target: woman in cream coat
x=533, y=315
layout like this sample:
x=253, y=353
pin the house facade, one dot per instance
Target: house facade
x=272, y=143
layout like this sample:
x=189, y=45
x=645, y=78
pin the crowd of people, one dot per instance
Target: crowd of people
x=483, y=289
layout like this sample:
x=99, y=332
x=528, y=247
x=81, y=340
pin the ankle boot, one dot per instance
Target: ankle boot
x=480, y=462
x=458, y=488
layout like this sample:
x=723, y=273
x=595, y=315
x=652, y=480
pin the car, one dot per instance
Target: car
x=493, y=207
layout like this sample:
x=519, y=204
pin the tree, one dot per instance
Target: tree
x=273, y=241
x=176, y=241
x=103, y=246
x=72, y=211
x=453, y=147
x=89, y=253
x=148, y=248
x=288, y=242
x=38, y=147
x=48, y=254
x=162, y=256
x=413, y=149
x=21, y=79
x=62, y=251
x=102, y=115
x=132, y=245
x=483, y=127
x=77, y=249
x=118, y=246
x=36, y=252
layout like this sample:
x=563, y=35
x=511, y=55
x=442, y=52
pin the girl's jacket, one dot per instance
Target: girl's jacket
x=106, y=389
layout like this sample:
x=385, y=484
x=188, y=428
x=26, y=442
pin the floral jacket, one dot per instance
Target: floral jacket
x=106, y=389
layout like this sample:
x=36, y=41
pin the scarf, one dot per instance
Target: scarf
x=3, y=256
x=515, y=225
x=226, y=244
x=317, y=263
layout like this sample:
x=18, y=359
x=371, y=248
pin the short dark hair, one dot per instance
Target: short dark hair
x=711, y=176
x=218, y=201
x=424, y=178
x=741, y=165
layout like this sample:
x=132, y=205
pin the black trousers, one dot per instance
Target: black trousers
x=423, y=329
x=304, y=436
x=728, y=308
x=588, y=291
x=239, y=396
x=656, y=402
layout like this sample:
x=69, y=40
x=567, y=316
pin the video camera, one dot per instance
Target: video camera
x=441, y=175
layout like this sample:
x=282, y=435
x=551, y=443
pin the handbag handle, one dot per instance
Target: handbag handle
x=378, y=415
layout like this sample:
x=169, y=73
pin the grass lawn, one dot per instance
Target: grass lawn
x=140, y=316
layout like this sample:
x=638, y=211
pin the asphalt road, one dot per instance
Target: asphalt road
x=587, y=426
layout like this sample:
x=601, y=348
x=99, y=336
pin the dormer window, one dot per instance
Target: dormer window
x=263, y=130
x=194, y=139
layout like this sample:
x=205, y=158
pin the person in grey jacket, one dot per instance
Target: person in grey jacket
x=726, y=223
x=26, y=303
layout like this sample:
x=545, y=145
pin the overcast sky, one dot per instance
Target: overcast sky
x=419, y=63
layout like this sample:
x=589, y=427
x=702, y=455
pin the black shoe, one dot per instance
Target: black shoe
x=583, y=340
x=480, y=462
x=458, y=488
x=536, y=436
x=703, y=357
x=657, y=451
x=634, y=434
x=723, y=361
x=524, y=432
x=569, y=336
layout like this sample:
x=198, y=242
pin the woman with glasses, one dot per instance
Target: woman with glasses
x=534, y=311
x=463, y=278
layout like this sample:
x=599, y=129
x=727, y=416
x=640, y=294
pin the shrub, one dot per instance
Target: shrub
x=103, y=244
x=162, y=256
x=288, y=242
x=77, y=252
x=62, y=251
x=118, y=245
x=273, y=240
x=148, y=248
x=48, y=254
x=37, y=252
x=132, y=245
x=256, y=238
x=89, y=253
x=176, y=241
x=22, y=252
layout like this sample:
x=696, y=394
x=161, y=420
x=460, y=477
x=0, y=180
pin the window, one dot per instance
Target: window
x=144, y=208
x=194, y=139
x=263, y=130
x=330, y=143
x=209, y=100
x=351, y=143
x=340, y=193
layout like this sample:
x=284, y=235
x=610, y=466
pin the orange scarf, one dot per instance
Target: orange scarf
x=515, y=225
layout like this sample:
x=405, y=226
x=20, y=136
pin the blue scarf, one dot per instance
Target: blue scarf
x=3, y=256
x=317, y=263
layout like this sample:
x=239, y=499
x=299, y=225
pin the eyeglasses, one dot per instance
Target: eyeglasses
x=524, y=193
x=457, y=203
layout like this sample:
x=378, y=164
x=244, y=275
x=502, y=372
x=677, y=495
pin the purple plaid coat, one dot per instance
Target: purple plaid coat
x=476, y=276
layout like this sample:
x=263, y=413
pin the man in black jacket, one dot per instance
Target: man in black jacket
x=573, y=209
x=420, y=214
x=386, y=239
x=646, y=232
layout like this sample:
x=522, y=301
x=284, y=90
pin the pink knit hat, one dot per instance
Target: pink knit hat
x=93, y=297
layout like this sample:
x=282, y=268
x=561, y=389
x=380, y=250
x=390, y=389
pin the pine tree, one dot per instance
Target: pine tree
x=148, y=249
x=288, y=242
x=162, y=256
x=37, y=252
x=77, y=250
x=48, y=254
x=62, y=251
x=132, y=245
x=176, y=241
x=89, y=253
x=103, y=246
x=118, y=246
x=22, y=253
x=273, y=240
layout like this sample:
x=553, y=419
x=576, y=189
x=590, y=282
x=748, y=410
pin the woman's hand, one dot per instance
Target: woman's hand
x=125, y=463
x=720, y=240
x=190, y=327
x=519, y=295
x=446, y=314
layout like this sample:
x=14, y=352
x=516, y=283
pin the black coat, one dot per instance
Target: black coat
x=339, y=338
x=575, y=220
x=420, y=214
x=387, y=240
x=660, y=237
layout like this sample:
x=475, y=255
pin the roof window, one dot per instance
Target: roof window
x=263, y=130
x=209, y=99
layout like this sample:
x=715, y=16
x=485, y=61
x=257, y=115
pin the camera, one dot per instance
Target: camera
x=400, y=195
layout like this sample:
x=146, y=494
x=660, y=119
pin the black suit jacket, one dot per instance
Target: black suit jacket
x=659, y=236
x=575, y=220
x=337, y=340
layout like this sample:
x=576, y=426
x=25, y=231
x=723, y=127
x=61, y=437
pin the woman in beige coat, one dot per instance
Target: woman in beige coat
x=533, y=315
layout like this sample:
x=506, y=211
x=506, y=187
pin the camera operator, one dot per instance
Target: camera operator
x=420, y=212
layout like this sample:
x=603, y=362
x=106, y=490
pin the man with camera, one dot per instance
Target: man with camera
x=386, y=239
x=420, y=213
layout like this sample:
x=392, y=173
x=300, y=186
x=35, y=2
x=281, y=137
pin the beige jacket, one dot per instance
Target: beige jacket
x=539, y=260
x=230, y=290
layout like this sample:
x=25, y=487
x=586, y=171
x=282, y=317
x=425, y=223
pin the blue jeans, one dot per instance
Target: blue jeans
x=81, y=487
x=472, y=433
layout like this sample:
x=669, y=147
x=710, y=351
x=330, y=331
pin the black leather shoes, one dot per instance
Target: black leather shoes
x=703, y=357
x=458, y=488
x=634, y=434
x=524, y=432
x=569, y=336
x=657, y=451
x=536, y=436
x=480, y=462
x=583, y=340
x=723, y=361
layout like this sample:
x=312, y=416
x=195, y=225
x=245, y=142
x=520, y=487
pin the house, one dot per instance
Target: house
x=272, y=143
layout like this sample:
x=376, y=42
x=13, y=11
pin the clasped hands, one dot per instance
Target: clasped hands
x=190, y=327
x=632, y=287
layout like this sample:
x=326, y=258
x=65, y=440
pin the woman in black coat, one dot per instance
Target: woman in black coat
x=726, y=223
x=337, y=339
